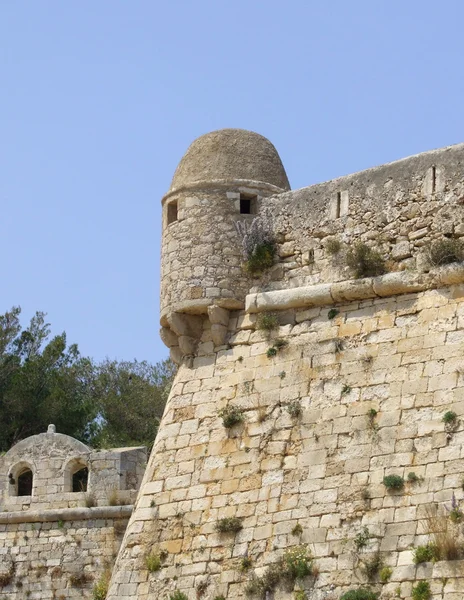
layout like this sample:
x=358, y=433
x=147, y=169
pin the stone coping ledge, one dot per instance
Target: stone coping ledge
x=67, y=514
x=391, y=284
x=224, y=183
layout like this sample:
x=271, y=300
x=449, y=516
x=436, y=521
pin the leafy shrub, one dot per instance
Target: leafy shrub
x=231, y=415
x=153, y=562
x=258, y=244
x=245, y=563
x=333, y=312
x=364, y=261
x=178, y=596
x=267, y=321
x=294, y=409
x=261, y=259
x=359, y=594
x=393, y=482
x=298, y=562
x=449, y=417
x=271, y=352
x=362, y=538
x=385, y=574
x=421, y=591
x=333, y=246
x=229, y=525
x=426, y=553
x=445, y=252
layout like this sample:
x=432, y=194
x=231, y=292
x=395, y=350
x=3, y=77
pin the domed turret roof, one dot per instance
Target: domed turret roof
x=230, y=154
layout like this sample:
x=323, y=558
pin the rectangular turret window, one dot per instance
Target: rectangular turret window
x=247, y=204
x=172, y=212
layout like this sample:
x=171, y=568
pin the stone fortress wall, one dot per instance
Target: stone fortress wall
x=63, y=511
x=359, y=391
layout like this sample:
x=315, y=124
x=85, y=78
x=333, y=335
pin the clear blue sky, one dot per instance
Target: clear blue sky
x=100, y=99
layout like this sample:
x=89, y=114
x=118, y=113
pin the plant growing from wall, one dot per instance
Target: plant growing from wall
x=267, y=321
x=362, y=538
x=178, y=596
x=421, y=591
x=297, y=530
x=450, y=419
x=258, y=242
x=100, y=589
x=425, y=553
x=294, y=409
x=300, y=595
x=229, y=525
x=371, y=414
x=346, y=389
x=372, y=566
x=333, y=312
x=271, y=352
x=231, y=415
x=393, y=482
x=444, y=534
x=455, y=513
x=413, y=478
x=385, y=574
x=445, y=252
x=90, y=500
x=333, y=246
x=364, y=261
x=296, y=563
x=153, y=562
x=359, y=594
x=245, y=564
x=279, y=344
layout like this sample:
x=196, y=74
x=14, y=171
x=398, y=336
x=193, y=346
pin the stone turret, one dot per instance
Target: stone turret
x=221, y=179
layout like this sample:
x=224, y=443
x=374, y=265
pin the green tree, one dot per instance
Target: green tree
x=44, y=381
x=131, y=399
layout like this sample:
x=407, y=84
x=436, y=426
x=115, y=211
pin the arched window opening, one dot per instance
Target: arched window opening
x=80, y=479
x=25, y=480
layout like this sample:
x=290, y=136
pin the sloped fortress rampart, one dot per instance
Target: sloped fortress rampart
x=348, y=434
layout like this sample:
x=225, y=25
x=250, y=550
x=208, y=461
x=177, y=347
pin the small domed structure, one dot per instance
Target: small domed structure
x=231, y=155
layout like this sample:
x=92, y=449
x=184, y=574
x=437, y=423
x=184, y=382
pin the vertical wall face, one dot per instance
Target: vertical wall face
x=201, y=261
x=373, y=383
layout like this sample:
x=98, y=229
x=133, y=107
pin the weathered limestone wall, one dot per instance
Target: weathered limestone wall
x=58, y=558
x=400, y=355
x=398, y=209
x=55, y=541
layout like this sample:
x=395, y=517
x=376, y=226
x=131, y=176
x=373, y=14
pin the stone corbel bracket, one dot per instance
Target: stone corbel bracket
x=323, y=294
x=185, y=330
